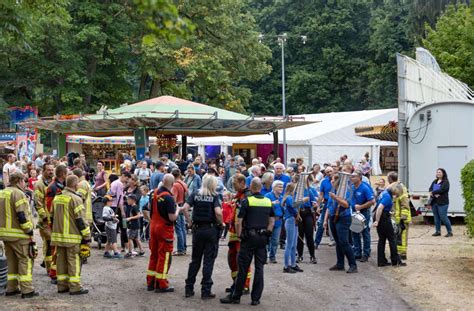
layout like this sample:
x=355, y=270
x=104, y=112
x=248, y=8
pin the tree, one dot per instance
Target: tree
x=390, y=33
x=452, y=42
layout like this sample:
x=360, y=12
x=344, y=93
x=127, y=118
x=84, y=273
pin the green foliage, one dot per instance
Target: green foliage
x=467, y=181
x=452, y=42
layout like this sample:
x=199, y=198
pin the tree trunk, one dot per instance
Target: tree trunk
x=143, y=81
x=91, y=70
x=155, y=87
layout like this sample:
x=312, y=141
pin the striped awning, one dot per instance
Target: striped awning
x=387, y=132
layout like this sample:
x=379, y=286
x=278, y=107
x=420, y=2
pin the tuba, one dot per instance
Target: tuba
x=342, y=188
x=300, y=185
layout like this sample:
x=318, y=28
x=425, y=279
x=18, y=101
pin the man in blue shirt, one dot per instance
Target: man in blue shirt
x=157, y=176
x=324, y=190
x=279, y=168
x=255, y=171
x=362, y=200
x=275, y=196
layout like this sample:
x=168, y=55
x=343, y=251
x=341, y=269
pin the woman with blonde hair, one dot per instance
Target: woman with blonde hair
x=206, y=223
x=384, y=226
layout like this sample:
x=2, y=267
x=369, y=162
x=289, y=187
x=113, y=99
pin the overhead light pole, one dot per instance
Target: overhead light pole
x=281, y=39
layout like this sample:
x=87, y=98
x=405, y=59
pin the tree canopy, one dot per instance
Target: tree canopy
x=73, y=56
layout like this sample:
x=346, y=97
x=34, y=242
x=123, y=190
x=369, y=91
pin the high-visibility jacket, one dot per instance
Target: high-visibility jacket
x=85, y=190
x=13, y=202
x=239, y=197
x=402, y=207
x=68, y=211
x=40, y=198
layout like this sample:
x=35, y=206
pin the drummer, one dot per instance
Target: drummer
x=362, y=200
x=339, y=218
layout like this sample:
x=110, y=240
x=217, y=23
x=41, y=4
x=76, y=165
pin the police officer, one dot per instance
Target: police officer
x=255, y=224
x=206, y=224
x=70, y=230
x=16, y=231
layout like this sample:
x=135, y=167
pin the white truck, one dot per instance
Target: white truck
x=436, y=129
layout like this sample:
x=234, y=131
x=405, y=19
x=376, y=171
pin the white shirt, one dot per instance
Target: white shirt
x=8, y=169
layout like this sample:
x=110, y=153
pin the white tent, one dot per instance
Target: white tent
x=324, y=141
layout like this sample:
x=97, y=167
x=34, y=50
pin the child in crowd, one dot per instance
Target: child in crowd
x=133, y=215
x=111, y=221
x=143, y=203
x=226, y=212
x=32, y=180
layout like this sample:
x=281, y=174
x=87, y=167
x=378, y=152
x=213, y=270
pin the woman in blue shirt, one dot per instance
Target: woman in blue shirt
x=339, y=218
x=291, y=213
x=384, y=226
x=306, y=225
x=275, y=196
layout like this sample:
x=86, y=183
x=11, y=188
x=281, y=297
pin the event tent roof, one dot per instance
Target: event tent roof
x=163, y=115
x=333, y=128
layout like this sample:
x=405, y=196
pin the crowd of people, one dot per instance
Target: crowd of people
x=259, y=207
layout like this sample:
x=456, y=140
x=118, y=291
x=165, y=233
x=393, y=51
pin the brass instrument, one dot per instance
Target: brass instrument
x=342, y=187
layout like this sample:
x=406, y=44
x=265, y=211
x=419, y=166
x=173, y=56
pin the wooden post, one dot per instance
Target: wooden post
x=184, y=146
x=276, y=149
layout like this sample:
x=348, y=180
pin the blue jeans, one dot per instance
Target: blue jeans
x=320, y=230
x=440, y=213
x=291, y=236
x=180, y=230
x=356, y=237
x=340, y=231
x=274, y=241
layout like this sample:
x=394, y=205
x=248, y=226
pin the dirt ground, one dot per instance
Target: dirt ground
x=439, y=276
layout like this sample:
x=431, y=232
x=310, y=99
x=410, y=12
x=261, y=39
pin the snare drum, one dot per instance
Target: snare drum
x=358, y=223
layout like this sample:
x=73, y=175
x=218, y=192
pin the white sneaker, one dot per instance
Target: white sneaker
x=134, y=253
x=332, y=243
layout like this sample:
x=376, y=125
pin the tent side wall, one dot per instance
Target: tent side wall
x=328, y=154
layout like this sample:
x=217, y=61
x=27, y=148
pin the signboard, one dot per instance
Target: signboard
x=141, y=143
x=26, y=145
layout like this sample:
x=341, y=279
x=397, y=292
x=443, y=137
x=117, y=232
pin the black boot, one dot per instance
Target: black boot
x=230, y=300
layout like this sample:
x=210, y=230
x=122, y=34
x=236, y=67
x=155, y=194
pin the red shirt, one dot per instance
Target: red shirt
x=31, y=182
x=227, y=212
x=179, y=191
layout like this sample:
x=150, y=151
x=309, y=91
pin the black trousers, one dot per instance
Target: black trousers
x=205, y=247
x=253, y=246
x=385, y=232
x=306, y=229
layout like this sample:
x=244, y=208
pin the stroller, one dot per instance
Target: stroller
x=98, y=224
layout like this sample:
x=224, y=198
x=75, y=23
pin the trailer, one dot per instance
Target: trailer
x=435, y=122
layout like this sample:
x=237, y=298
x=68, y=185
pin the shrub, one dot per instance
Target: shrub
x=467, y=180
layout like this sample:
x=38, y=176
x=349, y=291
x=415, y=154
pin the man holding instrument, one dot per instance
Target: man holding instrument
x=362, y=200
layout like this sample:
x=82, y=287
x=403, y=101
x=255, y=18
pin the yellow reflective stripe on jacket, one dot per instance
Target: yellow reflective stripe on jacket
x=39, y=194
x=78, y=209
x=66, y=238
x=20, y=202
x=151, y=273
x=13, y=233
x=6, y=195
x=263, y=202
x=86, y=231
x=26, y=225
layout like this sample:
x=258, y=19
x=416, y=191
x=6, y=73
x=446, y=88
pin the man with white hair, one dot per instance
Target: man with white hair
x=163, y=214
x=279, y=168
x=255, y=171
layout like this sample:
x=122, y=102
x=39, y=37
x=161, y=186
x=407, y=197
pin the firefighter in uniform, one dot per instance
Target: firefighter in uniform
x=402, y=216
x=239, y=184
x=40, y=205
x=16, y=231
x=85, y=190
x=255, y=224
x=70, y=230
x=163, y=214
x=206, y=223
x=54, y=188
